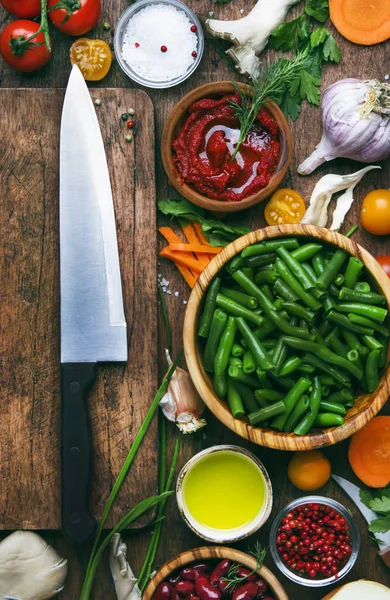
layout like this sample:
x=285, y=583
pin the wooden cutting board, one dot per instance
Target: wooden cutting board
x=29, y=308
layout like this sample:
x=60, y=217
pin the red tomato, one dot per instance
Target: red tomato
x=75, y=17
x=20, y=54
x=24, y=9
x=384, y=262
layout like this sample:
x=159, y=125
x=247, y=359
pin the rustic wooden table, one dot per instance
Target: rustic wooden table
x=361, y=62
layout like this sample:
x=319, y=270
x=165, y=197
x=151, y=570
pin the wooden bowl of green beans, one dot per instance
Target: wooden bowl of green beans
x=286, y=337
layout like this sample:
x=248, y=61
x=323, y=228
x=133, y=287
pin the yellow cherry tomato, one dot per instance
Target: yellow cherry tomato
x=309, y=470
x=93, y=58
x=285, y=206
x=375, y=213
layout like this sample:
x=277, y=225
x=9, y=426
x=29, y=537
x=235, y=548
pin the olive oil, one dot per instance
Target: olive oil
x=224, y=491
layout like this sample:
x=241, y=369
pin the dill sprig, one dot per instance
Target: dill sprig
x=270, y=85
x=232, y=579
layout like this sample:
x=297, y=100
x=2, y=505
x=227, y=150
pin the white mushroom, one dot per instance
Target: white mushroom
x=250, y=34
x=30, y=569
x=125, y=582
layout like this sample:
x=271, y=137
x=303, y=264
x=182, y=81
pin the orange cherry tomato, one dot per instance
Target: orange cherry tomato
x=93, y=58
x=384, y=262
x=285, y=206
x=375, y=213
x=309, y=470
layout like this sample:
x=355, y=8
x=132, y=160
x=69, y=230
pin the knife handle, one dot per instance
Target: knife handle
x=385, y=555
x=76, y=450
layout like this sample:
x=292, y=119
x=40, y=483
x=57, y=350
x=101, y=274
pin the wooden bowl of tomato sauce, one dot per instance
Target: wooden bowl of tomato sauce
x=178, y=117
x=213, y=555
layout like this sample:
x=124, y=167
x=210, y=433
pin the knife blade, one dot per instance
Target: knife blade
x=93, y=326
x=354, y=493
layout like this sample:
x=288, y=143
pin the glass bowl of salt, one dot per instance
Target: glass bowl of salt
x=158, y=43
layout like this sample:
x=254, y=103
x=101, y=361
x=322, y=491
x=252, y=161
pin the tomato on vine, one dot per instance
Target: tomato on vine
x=23, y=47
x=74, y=17
x=24, y=9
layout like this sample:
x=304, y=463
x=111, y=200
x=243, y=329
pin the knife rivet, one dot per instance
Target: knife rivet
x=74, y=387
x=75, y=518
x=75, y=451
x=98, y=102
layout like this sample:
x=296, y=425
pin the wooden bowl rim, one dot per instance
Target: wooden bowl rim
x=210, y=552
x=175, y=179
x=258, y=435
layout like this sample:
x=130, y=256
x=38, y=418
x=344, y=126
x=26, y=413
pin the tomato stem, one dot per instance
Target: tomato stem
x=44, y=27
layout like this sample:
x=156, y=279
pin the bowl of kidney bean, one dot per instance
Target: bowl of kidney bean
x=204, y=574
x=314, y=541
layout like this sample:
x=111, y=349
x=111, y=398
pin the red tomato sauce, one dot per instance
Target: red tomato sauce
x=206, y=142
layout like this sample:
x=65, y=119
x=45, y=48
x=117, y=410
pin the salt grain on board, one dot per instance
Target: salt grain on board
x=155, y=27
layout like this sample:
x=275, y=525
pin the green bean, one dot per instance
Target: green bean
x=262, y=260
x=372, y=370
x=270, y=246
x=337, y=346
x=279, y=355
x=382, y=352
x=237, y=350
x=290, y=401
x=328, y=420
x=317, y=336
x=237, y=310
x=306, y=252
x=233, y=360
x=290, y=365
x=239, y=297
x=306, y=368
x=299, y=311
x=362, y=286
x=284, y=291
x=325, y=328
x=237, y=263
x=319, y=294
x=269, y=344
x=325, y=390
x=285, y=382
x=265, y=329
x=225, y=347
x=350, y=295
x=248, y=362
x=359, y=320
x=352, y=340
x=234, y=400
x=314, y=403
x=371, y=342
x=270, y=395
x=267, y=292
x=252, y=289
x=324, y=354
x=319, y=264
x=339, y=280
x=263, y=414
x=209, y=308
x=333, y=371
x=345, y=323
x=352, y=271
x=342, y=396
x=248, y=272
x=333, y=407
x=299, y=411
x=353, y=356
x=217, y=328
x=328, y=303
x=278, y=304
x=332, y=268
x=260, y=354
x=247, y=396
x=295, y=285
x=263, y=378
x=296, y=268
x=376, y=313
x=328, y=380
x=261, y=401
x=237, y=372
x=270, y=276
x=220, y=385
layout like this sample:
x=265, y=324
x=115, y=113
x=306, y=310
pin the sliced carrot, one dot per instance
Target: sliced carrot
x=192, y=238
x=369, y=453
x=196, y=248
x=200, y=234
x=360, y=22
x=171, y=237
x=187, y=275
x=183, y=259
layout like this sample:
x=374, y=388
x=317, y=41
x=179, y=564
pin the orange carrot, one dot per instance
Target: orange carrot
x=183, y=259
x=196, y=248
x=369, y=452
x=364, y=23
x=191, y=238
x=171, y=236
x=200, y=234
x=187, y=275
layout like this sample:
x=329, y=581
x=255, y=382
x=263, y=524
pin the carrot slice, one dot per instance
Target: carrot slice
x=171, y=237
x=191, y=238
x=200, y=234
x=196, y=248
x=187, y=275
x=183, y=259
x=361, y=22
x=369, y=453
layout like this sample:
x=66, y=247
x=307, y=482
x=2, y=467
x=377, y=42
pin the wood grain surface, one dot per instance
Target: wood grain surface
x=357, y=61
x=29, y=309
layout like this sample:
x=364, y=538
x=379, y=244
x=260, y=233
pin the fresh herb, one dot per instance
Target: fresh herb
x=318, y=9
x=168, y=330
x=352, y=230
x=216, y=231
x=223, y=1
x=271, y=85
x=379, y=502
x=232, y=579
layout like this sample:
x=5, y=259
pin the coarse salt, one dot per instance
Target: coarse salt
x=155, y=27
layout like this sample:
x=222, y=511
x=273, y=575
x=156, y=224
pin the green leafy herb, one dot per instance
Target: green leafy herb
x=284, y=37
x=232, y=579
x=379, y=502
x=331, y=51
x=380, y=525
x=381, y=505
x=318, y=9
x=216, y=231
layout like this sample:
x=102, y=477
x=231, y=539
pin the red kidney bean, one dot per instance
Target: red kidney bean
x=189, y=574
x=249, y=576
x=193, y=597
x=184, y=588
x=205, y=590
x=246, y=591
x=201, y=567
x=223, y=586
x=175, y=595
x=174, y=578
x=263, y=587
x=163, y=591
x=221, y=569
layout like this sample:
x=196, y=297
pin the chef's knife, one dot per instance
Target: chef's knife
x=353, y=492
x=93, y=326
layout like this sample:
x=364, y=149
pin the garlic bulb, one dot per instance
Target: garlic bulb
x=356, y=123
x=182, y=404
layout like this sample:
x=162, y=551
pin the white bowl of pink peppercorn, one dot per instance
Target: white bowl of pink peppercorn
x=314, y=541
